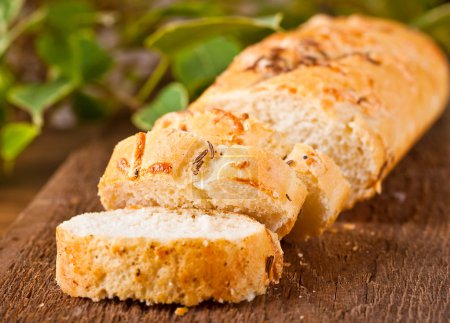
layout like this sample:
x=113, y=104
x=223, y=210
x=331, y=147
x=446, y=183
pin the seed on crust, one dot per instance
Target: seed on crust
x=269, y=263
x=211, y=149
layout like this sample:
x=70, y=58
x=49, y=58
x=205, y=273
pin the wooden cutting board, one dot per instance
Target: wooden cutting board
x=385, y=260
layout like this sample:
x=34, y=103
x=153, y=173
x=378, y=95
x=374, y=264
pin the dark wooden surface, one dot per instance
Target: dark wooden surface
x=385, y=260
x=35, y=166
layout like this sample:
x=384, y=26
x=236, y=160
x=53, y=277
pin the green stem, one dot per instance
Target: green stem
x=433, y=17
x=37, y=120
x=26, y=23
x=154, y=78
x=123, y=98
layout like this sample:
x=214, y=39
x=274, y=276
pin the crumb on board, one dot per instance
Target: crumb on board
x=180, y=311
x=400, y=196
x=286, y=264
x=332, y=230
x=348, y=226
x=355, y=248
x=300, y=255
x=303, y=264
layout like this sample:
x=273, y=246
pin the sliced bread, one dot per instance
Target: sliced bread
x=156, y=255
x=327, y=188
x=179, y=169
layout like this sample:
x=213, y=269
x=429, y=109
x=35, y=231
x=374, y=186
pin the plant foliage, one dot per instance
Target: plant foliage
x=75, y=49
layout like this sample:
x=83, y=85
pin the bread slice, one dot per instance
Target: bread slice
x=327, y=192
x=226, y=128
x=179, y=169
x=327, y=188
x=361, y=90
x=156, y=255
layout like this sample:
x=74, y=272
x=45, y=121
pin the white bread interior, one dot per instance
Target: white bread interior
x=156, y=255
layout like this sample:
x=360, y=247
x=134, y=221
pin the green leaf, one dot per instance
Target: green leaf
x=25, y=23
x=78, y=57
x=6, y=82
x=198, y=66
x=14, y=138
x=94, y=60
x=2, y=113
x=433, y=18
x=57, y=54
x=66, y=17
x=36, y=98
x=440, y=34
x=89, y=108
x=5, y=40
x=173, y=97
x=436, y=22
x=178, y=35
x=407, y=10
x=9, y=9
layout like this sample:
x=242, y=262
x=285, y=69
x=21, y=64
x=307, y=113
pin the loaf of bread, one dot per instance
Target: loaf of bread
x=362, y=90
x=178, y=169
x=156, y=255
x=299, y=126
x=327, y=188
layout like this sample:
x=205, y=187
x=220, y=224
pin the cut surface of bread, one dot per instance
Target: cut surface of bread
x=156, y=255
x=327, y=192
x=327, y=188
x=362, y=90
x=179, y=169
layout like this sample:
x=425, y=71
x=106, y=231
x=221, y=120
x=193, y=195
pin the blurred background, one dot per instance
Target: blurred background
x=68, y=69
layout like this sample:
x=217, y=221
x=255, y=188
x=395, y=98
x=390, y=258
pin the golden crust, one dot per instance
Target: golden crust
x=389, y=81
x=184, y=271
x=223, y=127
x=180, y=169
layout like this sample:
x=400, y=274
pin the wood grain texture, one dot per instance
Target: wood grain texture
x=35, y=166
x=392, y=266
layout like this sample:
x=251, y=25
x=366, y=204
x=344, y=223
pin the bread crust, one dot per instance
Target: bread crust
x=183, y=271
x=387, y=82
x=178, y=169
x=226, y=128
